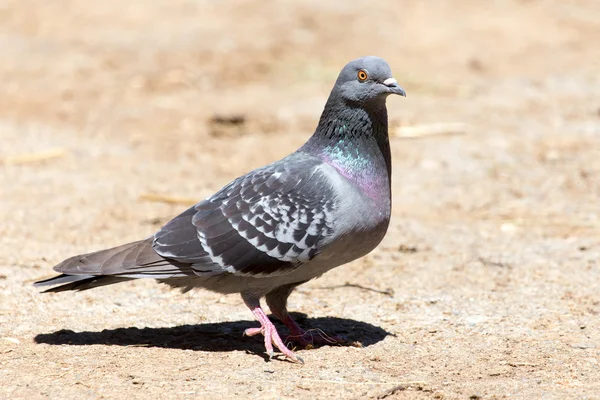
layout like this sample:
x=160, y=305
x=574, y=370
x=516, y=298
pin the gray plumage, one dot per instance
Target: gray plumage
x=278, y=226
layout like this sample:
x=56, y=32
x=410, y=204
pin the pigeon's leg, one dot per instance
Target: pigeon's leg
x=267, y=329
x=277, y=302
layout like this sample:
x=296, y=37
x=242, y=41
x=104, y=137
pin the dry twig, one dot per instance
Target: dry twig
x=399, y=388
x=368, y=383
x=418, y=131
x=387, y=292
x=168, y=199
x=26, y=158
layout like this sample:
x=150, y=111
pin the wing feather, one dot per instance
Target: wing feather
x=269, y=221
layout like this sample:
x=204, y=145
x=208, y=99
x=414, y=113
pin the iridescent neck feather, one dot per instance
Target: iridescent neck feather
x=354, y=140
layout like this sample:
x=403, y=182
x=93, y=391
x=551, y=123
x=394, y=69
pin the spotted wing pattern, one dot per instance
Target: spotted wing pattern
x=267, y=222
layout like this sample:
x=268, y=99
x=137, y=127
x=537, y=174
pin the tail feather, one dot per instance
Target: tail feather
x=114, y=261
x=78, y=282
x=118, y=264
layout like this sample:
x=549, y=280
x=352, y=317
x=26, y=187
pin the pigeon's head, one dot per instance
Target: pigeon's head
x=366, y=80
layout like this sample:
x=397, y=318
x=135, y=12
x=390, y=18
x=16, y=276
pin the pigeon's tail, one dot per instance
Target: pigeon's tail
x=78, y=282
x=119, y=264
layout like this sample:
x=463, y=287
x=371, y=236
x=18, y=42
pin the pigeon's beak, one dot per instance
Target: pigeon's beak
x=393, y=86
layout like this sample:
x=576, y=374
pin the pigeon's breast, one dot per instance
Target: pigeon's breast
x=362, y=215
x=367, y=176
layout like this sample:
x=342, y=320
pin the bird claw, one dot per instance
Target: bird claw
x=252, y=331
x=272, y=337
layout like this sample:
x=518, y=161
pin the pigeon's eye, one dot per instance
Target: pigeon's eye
x=362, y=75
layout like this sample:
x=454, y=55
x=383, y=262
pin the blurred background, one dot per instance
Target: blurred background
x=114, y=116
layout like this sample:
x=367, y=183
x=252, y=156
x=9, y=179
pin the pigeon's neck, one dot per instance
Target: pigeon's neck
x=354, y=140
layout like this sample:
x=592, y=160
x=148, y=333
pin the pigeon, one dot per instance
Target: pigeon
x=278, y=226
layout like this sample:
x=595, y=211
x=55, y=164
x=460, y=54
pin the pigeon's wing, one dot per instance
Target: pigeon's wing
x=267, y=222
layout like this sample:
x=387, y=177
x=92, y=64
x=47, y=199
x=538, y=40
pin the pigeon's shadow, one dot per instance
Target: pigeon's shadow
x=218, y=337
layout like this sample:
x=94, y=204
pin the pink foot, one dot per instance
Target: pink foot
x=271, y=336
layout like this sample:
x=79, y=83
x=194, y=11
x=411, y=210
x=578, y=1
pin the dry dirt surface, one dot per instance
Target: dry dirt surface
x=487, y=285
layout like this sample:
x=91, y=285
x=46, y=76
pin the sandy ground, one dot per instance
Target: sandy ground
x=486, y=286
